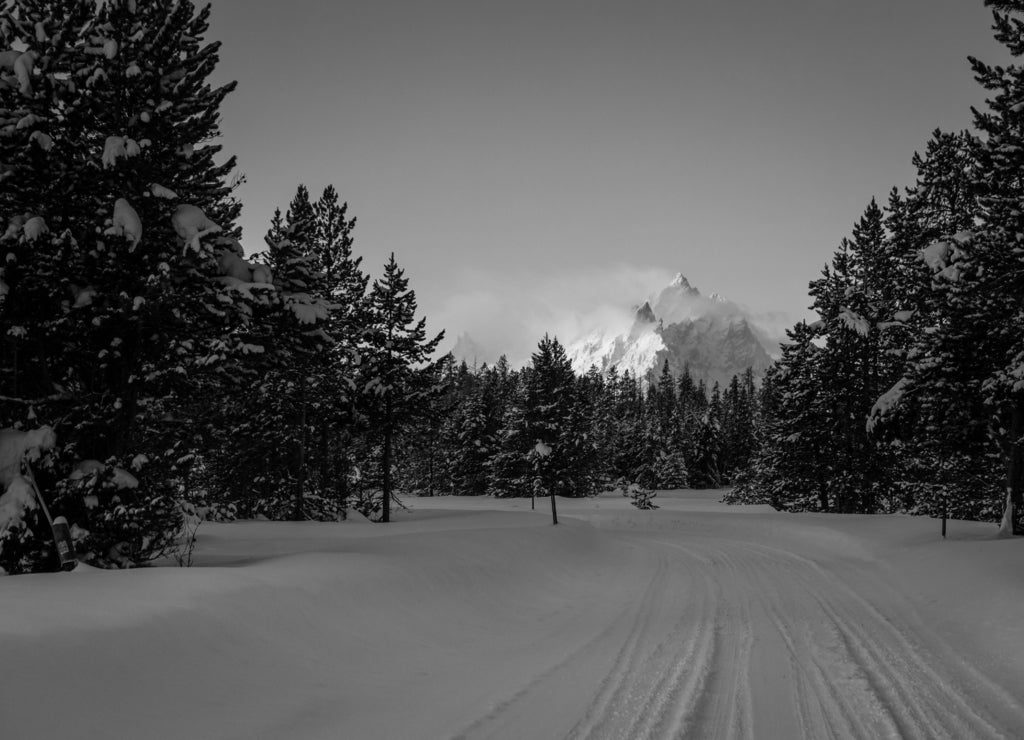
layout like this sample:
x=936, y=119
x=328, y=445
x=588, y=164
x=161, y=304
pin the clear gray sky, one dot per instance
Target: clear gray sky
x=533, y=162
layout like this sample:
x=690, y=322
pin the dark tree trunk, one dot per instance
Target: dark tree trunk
x=300, y=461
x=823, y=497
x=325, y=458
x=385, y=514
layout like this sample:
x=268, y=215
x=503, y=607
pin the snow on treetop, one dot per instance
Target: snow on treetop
x=23, y=67
x=14, y=225
x=34, y=228
x=117, y=147
x=85, y=468
x=938, y=255
x=307, y=309
x=854, y=321
x=191, y=224
x=126, y=222
x=159, y=191
x=120, y=477
x=18, y=497
x=43, y=141
x=885, y=405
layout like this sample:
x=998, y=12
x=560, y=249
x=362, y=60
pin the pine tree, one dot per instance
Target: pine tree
x=339, y=416
x=943, y=451
x=473, y=445
x=113, y=317
x=509, y=467
x=396, y=377
x=788, y=471
x=992, y=274
x=964, y=365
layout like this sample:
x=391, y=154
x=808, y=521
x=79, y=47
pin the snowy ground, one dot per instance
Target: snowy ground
x=477, y=618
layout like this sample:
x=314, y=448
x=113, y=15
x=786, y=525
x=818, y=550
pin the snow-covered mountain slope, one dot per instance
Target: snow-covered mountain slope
x=475, y=617
x=711, y=335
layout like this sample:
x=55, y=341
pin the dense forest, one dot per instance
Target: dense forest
x=154, y=372
x=907, y=393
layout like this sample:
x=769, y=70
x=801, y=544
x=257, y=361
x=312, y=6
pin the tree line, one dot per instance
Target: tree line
x=545, y=429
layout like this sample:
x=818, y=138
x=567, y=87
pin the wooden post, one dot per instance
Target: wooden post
x=58, y=527
x=945, y=512
x=543, y=451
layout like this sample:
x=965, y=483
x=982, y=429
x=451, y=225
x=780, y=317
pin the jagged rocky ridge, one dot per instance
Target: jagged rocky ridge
x=712, y=336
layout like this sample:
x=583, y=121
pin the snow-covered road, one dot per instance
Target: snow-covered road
x=476, y=618
x=737, y=638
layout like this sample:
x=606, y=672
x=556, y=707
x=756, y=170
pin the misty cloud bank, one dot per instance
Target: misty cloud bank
x=509, y=313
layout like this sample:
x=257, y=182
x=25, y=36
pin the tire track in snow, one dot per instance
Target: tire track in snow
x=898, y=678
x=681, y=675
x=823, y=708
x=627, y=663
x=737, y=639
x=618, y=682
x=810, y=701
x=724, y=709
x=656, y=671
x=914, y=627
x=710, y=696
x=503, y=706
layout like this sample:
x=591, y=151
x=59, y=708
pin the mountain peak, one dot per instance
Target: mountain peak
x=680, y=281
x=711, y=335
x=645, y=314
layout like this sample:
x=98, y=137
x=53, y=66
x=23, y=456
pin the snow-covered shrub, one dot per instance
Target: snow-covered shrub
x=116, y=520
x=25, y=542
x=665, y=471
x=367, y=501
x=642, y=498
x=199, y=505
x=314, y=508
x=23, y=548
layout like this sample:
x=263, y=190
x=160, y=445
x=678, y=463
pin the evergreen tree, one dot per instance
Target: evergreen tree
x=963, y=368
x=787, y=471
x=398, y=378
x=509, y=467
x=113, y=317
x=549, y=403
x=473, y=445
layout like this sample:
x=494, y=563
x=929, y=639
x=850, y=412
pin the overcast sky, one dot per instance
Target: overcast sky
x=533, y=162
